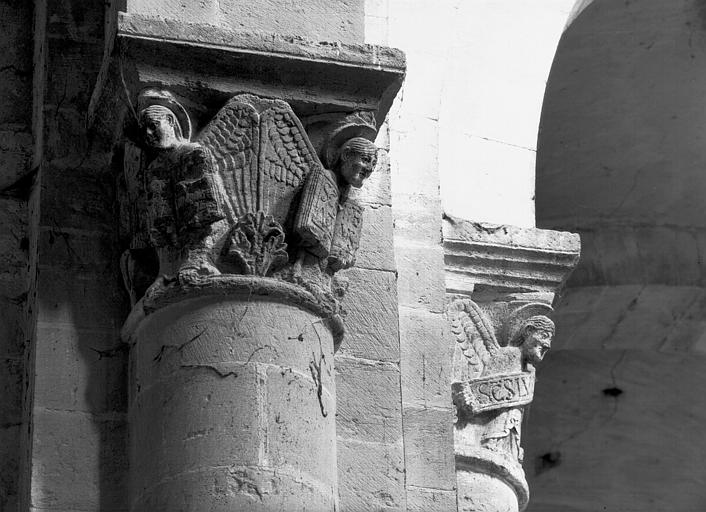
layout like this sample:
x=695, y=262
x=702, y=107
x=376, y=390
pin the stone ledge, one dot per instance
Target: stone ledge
x=506, y=258
x=205, y=65
x=267, y=45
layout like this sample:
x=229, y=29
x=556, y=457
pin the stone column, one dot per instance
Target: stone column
x=232, y=402
x=502, y=336
x=236, y=213
x=242, y=228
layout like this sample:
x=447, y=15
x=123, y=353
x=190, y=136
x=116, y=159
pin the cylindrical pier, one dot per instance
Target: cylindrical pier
x=232, y=406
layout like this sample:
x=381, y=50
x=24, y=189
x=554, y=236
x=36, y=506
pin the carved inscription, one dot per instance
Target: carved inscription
x=495, y=392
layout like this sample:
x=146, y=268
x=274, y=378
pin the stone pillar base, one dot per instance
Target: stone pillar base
x=232, y=401
x=489, y=482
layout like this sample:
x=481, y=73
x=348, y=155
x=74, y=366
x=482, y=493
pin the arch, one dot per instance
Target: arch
x=621, y=159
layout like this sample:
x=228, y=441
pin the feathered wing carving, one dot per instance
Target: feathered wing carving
x=232, y=138
x=286, y=158
x=474, y=334
x=262, y=154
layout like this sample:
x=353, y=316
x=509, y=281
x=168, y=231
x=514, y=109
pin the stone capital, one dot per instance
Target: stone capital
x=501, y=281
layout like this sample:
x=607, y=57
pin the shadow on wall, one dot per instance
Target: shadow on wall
x=621, y=158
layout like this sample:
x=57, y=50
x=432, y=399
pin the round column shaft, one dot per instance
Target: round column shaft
x=232, y=407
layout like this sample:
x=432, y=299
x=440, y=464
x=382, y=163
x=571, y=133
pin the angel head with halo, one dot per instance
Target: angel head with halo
x=350, y=152
x=163, y=122
x=534, y=338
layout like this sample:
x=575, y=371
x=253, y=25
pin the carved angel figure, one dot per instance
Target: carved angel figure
x=507, y=438
x=493, y=381
x=247, y=196
x=328, y=223
x=529, y=339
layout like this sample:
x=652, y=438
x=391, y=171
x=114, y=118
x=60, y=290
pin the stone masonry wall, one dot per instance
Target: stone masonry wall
x=425, y=346
x=78, y=370
x=79, y=398
x=15, y=161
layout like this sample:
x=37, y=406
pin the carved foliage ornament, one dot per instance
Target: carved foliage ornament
x=248, y=195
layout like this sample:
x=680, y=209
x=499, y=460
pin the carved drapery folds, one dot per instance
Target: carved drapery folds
x=499, y=345
x=247, y=195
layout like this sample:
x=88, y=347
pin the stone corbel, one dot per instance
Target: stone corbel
x=501, y=281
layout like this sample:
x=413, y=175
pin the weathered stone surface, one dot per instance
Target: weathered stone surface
x=336, y=77
x=15, y=154
x=80, y=369
x=370, y=307
x=633, y=407
x=13, y=255
x=371, y=476
x=73, y=250
x=416, y=156
x=376, y=250
x=417, y=218
x=79, y=461
x=426, y=360
x=318, y=20
x=221, y=394
x=377, y=187
x=83, y=302
x=648, y=317
x=11, y=326
x=16, y=64
x=368, y=400
x=428, y=436
x=421, y=499
x=421, y=276
x=74, y=65
x=506, y=257
x=479, y=492
x=10, y=435
x=73, y=21
x=11, y=382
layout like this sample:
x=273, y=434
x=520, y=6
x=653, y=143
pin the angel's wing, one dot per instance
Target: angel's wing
x=474, y=334
x=232, y=138
x=261, y=153
x=286, y=158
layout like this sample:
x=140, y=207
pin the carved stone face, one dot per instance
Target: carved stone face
x=358, y=160
x=536, y=345
x=158, y=128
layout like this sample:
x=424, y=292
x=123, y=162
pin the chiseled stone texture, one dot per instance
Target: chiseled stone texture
x=229, y=411
x=371, y=474
x=605, y=422
x=430, y=500
x=425, y=348
x=318, y=20
x=371, y=316
x=620, y=160
x=15, y=157
x=428, y=374
x=487, y=493
x=368, y=401
x=77, y=464
x=78, y=366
